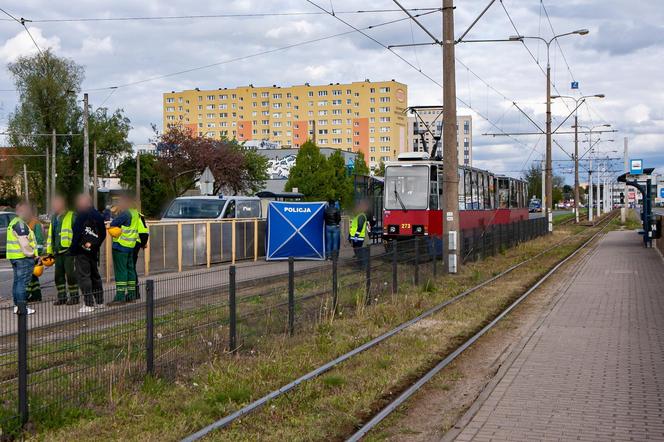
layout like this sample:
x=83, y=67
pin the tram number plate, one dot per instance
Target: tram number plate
x=405, y=226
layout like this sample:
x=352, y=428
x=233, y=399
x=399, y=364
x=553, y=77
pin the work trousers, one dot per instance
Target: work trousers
x=89, y=279
x=135, y=253
x=125, y=276
x=34, y=290
x=22, y=275
x=65, y=277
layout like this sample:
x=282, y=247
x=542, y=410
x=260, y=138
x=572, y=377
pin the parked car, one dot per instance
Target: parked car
x=194, y=208
x=535, y=205
x=5, y=219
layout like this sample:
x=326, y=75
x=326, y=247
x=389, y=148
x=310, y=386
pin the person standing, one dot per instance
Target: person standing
x=34, y=287
x=124, y=230
x=58, y=242
x=21, y=252
x=332, y=229
x=89, y=233
x=141, y=242
x=357, y=233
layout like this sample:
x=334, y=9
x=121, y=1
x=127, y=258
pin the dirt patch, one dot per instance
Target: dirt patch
x=441, y=405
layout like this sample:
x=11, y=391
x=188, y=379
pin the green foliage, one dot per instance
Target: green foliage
x=380, y=170
x=533, y=177
x=339, y=184
x=310, y=172
x=155, y=190
x=361, y=167
x=48, y=88
x=256, y=170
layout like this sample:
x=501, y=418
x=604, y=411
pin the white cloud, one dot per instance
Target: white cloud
x=317, y=72
x=300, y=27
x=21, y=44
x=94, y=46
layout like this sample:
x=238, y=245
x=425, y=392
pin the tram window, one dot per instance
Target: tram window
x=475, y=190
x=434, y=195
x=513, y=194
x=462, y=196
x=503, y=193
x=468, y=193
x=491, y=196
x=406, y=187
x=525, y=195
x=480, y=188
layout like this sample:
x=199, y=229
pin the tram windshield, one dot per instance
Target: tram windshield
x=406, y=187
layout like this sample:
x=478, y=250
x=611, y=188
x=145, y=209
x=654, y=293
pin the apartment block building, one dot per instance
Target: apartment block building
x=428, y=121
x=369, y=117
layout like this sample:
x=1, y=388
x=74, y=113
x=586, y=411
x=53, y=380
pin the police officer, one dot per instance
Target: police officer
x=21, y=252
x=60, y=234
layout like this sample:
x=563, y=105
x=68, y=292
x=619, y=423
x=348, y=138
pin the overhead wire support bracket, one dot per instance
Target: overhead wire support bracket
x=417, y=22
x=460, y=39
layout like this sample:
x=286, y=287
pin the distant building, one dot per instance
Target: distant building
x=148, y=148
x=364, y=116
x=428, y=121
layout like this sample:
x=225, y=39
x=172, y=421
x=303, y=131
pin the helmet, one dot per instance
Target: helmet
x=38, y=270
x=114, y=231
x=48, y=261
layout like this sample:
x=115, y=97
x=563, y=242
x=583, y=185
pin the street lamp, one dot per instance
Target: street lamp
x=549, y=167
x=577, y=102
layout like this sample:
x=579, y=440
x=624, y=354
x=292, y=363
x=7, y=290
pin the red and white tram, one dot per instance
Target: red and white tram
x=413, y=189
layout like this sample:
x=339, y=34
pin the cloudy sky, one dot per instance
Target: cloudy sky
x=621, y=57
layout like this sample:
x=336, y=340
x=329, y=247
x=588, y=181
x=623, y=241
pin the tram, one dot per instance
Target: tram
x=413, y=205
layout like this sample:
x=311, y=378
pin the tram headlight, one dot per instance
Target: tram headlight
x=393, y=229
x=418, y=230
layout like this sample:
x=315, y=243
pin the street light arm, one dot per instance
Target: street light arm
x=578, y=104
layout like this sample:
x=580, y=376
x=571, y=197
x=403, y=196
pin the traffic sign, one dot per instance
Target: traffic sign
x=635, y=167
x=575, y=85
x=207, y=182
x=661, y=192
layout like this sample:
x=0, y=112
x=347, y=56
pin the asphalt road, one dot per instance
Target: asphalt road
x=555, y=213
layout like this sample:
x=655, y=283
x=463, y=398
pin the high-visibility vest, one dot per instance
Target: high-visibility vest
x=13, y=247
x=354, y=226
x=142, y=227
x=129, y=234
x=66, y=233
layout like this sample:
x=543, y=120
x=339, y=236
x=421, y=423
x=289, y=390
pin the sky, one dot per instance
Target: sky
x=621, y=57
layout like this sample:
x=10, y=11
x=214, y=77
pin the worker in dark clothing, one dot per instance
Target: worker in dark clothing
x=332, y=229
x=89, y=233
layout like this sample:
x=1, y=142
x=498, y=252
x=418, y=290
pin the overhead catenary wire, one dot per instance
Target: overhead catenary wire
x=22, y=22
x=215, y=16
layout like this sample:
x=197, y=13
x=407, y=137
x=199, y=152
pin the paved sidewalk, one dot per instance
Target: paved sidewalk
x=594, y=367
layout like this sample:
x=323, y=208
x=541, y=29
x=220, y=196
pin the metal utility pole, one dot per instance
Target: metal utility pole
x=450, y=154
x=47, y=199
x=86, y=147
x=623, y=209
x=549, y=161
x=53, y=172
x=590, y=189
x=138, y=180
x=25, y=183
x=94, y=174
x=577, y=199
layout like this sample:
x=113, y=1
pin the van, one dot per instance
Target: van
x=197, y=208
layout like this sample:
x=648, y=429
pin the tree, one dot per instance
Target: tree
x=533, y=177
x=360, y=165
x=48, y=87
x=183, y=156
x=309, y=173
x=155, y=191
x=380, y=170
x=339, y=183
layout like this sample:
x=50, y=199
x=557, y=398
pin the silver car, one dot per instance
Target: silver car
x=5, y=219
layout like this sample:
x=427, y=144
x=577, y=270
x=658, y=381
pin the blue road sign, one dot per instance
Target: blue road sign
x=575, y=85
x=661, y=192
x=635, y=167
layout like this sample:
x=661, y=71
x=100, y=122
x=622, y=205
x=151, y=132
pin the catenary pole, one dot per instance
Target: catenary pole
x=623, y=209
x=47, y=199
x=26, y=193
x=450, y=154
x=549, y=164
x=138, y=180
x=590, y=188
x=53, y=170
x=86, y=147
x=577, y=199
x=95, y=179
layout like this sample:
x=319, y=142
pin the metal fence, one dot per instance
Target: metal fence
x=58, y=364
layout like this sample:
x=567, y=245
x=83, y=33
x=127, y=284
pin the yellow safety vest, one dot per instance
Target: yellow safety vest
x=129, y=234
x=354, y=225
x=13, y=247
x=66, y=233
x=142, y=228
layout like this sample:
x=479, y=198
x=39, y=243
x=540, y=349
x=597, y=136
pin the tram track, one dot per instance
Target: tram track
x=430, y=374
x=257, y=404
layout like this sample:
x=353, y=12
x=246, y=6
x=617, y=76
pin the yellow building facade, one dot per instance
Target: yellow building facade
x=366, y=116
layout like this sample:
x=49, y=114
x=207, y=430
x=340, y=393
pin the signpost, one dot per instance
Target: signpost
x=635, y=167
x=206, y=182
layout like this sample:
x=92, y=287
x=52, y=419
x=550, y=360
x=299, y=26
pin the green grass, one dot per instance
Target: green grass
x=334, y=404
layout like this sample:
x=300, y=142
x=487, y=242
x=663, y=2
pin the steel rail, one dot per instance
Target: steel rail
x=403, y=397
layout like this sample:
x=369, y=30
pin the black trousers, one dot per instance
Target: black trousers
x=137, y=249
x=89, y=279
